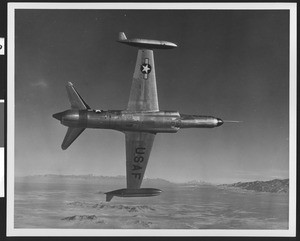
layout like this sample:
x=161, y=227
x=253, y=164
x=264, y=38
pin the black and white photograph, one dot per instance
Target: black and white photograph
x=151, y=119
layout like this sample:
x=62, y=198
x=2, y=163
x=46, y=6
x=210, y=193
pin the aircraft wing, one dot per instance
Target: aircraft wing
x=138, y=148
x=143, y=94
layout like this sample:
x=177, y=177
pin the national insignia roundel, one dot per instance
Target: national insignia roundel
x=145, y=68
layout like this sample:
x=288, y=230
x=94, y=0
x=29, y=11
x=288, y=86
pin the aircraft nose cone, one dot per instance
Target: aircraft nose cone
x=220, y=122
x=174, y=45
x=57, y=116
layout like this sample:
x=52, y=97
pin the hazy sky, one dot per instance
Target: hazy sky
x=229, y=64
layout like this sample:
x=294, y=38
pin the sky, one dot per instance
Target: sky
x=231, y=64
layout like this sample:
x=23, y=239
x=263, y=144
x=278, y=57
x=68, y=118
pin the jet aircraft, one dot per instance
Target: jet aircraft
x=140, y=122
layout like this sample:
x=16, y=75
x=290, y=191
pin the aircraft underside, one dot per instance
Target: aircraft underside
x=140, y=122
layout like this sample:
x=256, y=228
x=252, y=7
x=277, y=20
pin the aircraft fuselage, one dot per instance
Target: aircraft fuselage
x=153, y=122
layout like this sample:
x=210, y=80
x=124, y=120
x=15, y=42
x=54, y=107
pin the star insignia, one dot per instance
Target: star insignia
x=146, y=68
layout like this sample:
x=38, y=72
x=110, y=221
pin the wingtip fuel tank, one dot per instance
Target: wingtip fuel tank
x=125, y=192
x=146, y=43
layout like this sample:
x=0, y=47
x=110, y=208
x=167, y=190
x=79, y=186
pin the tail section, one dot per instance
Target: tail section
x=75, y=99
x=122, y=36
x=77, y=103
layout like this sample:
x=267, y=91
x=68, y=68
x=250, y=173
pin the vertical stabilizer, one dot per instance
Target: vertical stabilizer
x=75, y=99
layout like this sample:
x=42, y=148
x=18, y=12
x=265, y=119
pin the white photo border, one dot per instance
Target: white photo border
x=11, y=231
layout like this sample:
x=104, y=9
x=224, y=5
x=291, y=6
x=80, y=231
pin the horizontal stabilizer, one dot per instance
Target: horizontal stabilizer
x=75, y=99
x=140, y=192
x=71, y=135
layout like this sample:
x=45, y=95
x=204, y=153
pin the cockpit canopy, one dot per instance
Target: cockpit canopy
x=98, y=111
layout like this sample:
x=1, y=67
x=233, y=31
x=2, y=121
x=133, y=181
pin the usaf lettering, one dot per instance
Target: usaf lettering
x=138, y=158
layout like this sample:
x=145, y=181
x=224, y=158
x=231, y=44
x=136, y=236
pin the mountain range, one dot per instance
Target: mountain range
x=273, y=186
